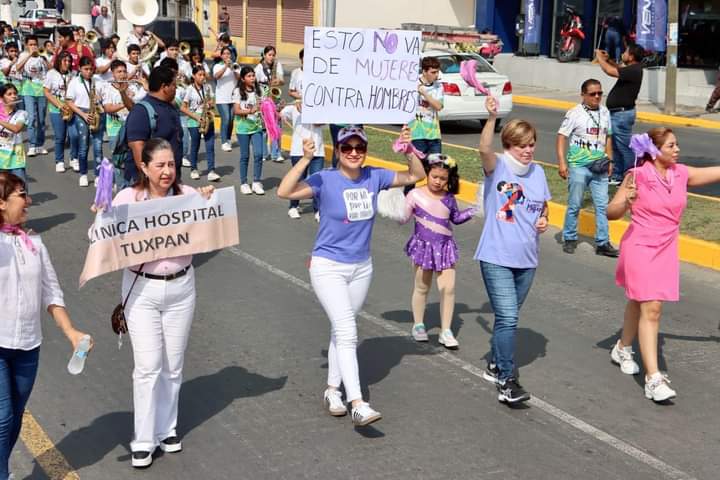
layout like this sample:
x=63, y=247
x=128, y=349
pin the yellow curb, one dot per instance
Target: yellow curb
x=52, y=462
x=647, y=117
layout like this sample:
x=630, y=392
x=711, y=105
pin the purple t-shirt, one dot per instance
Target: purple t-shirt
x=513, y=204
x=347, y=212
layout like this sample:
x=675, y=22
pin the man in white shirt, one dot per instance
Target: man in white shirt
x=104, y=23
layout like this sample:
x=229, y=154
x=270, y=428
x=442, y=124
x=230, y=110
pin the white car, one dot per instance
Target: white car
x=461, y=100
x=39, y=21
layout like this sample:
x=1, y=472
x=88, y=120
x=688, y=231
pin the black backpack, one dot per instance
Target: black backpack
x=122, y=150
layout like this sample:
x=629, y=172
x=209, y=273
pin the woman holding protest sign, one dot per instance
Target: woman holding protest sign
x=29, y=285
x=341, y=267
x=160, y=298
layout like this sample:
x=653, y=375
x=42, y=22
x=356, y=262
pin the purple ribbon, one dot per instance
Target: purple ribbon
x=407, y=147
x=467, y=72
x=103, y=191
x=16, y=230
x=642, y=144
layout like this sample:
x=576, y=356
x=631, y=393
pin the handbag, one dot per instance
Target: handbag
x=600, y=165
x=117, y=319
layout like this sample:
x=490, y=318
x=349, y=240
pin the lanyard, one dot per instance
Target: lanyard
x=596, y=121
x=200, y=92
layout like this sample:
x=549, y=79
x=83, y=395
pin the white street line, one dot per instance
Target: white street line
x=596, y=433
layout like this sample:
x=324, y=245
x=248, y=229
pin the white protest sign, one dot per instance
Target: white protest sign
x=354, y=75
x=135, y=233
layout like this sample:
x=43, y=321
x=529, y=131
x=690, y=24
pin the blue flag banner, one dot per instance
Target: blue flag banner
x=532, y=22
x=652, y=24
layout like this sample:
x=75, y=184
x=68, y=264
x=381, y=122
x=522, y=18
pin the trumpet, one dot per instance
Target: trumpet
x=184, y=48
x=236, y=67
x=91, y=37
x=276, y=93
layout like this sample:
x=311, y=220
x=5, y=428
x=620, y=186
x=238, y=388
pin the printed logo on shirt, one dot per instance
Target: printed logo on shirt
x=358, y=204
x=514, y=196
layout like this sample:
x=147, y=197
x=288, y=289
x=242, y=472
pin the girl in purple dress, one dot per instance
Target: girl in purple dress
x=432, y=247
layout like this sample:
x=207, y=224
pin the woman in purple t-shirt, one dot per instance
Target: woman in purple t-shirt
x=341, y=267
x=515, y=203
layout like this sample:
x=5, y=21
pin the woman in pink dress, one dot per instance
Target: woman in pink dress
x=655, y=192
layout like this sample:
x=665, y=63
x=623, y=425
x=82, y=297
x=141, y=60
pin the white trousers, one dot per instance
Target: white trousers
x=159, y=314
x=341, y=289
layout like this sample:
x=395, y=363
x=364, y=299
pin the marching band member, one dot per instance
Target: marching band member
x=67, y=42
x=12, y=123
x=226, y=79
x=34, y=68
x=135, y=69
x=140, y=37
x=172, y=50
x=117, y=100
x=197, y=58
x=269, y=73
x=8, y=65
x=249, y=129
x=198, y=97
x=78, y=95
x=296, y=78
x=55, y=89
x=103, y=73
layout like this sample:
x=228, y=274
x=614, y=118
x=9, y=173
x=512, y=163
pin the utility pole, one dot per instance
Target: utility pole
x=672, y=56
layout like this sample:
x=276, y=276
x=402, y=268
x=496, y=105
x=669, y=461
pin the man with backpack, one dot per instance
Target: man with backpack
x=155, y=116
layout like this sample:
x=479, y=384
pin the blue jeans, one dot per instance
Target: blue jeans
x=209, y=147
x=613, y=44
x=80, y=134
x=623, y=156
x=315, y=165
x=507, y=289
x=97, y=143
x=60, y=131
x=245, y=140
x=225, y=111
x=275, y=151
x=36, y=108
x=18, y=369
x=580, y=178
x=185, y=138
x=428, y=146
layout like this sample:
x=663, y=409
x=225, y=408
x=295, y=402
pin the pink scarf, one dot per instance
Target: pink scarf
x=15, y=230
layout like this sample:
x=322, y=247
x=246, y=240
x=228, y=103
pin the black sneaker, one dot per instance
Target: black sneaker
x=491, y=373
x=607, y=250
x=171, y=445
x=141, y=459
x=510, y=391
x=709, y=109
x=569, y=246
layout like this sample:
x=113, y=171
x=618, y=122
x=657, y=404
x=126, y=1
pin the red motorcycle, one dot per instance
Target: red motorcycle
x=572, y=36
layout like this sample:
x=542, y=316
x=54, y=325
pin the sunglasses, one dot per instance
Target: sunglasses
x=22, y=194
x=360, y=148
x=594, y=94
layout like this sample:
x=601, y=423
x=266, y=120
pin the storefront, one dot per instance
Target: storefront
x=699, y=26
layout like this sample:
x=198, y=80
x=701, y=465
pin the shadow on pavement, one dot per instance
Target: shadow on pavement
x=225, y=170
x=201, y=259
x=432, y=316
x=200, y=399
x=531, y=345
x=42, y=197
x=41, y=225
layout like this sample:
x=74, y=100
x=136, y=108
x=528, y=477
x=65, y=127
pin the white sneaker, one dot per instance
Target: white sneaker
x=364, y=415
x=317, y=217
x=75, y=164
x=41, y=151
x=657, y=388
x=294, y=213
x=213, y=177
x=332, y=399
x=195, y=175
x=624, y=357
x=448, y=339
x=60, y=167
x=279, y=159
x=226, y=147
x=95, y=182
x=186, y=163
x=245, y=189
x=31, y=152
x=83, y=182
x=257, y=188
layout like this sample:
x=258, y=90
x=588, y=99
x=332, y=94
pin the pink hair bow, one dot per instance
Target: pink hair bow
x=467, y=72
x=407, y=147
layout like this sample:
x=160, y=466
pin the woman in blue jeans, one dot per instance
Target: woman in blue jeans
x=29, y=286
x=197, y=97
x=249, y=129
x=516, y=213
x=55, y=87
x=226, y=78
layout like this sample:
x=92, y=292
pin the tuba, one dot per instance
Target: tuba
x=184, y=48
x=139, y=12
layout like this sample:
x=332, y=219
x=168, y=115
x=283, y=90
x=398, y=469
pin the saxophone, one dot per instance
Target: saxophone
x=65, y=110
x=207, y=117
x=95, y=112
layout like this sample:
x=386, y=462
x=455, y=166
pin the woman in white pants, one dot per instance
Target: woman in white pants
x=341, y=267
x=159, y=313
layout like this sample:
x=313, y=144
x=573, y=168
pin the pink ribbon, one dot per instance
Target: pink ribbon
x=270, y=118
x=467, y=72
x=407, y=147
x=15, y=230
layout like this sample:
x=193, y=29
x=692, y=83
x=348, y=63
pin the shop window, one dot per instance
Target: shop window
x=699, y=33
x=559, y=18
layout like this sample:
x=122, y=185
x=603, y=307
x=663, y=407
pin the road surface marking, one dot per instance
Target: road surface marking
x=596, y=433
x=52, y=462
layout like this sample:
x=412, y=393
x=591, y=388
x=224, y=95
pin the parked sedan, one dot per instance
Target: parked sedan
x=38, y=21
x=462, y=102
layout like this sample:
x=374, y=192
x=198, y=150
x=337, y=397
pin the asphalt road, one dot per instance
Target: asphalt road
x=699, y=147
x=255, y=367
